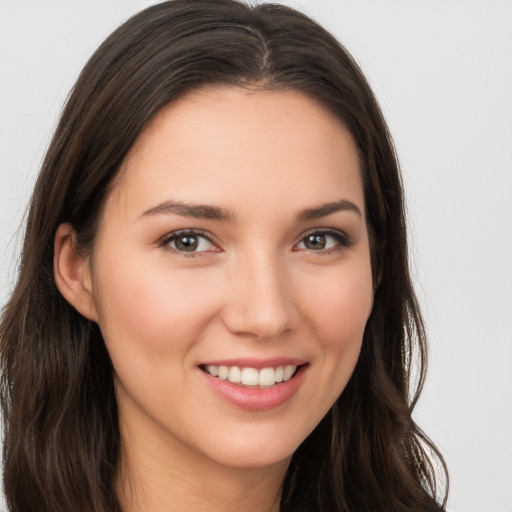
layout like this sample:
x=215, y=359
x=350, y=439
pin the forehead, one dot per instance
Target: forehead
x=219, y=144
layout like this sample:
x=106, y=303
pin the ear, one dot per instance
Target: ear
x=72, y=273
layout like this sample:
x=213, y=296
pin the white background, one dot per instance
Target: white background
x=442, y=70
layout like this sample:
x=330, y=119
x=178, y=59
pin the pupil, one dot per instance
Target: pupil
x=315, y=242
x=187, y=243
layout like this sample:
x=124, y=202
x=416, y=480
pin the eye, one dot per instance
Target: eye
x=324, y=241
x=188, y=242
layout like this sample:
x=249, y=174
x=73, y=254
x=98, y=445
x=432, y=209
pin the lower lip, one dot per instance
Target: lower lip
x=255, y=399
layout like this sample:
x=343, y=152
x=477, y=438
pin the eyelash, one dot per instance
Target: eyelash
x=175, y=235
x=343, y=241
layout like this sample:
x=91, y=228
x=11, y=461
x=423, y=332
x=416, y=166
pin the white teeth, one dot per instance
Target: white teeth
x=289, y=371
x=235, y=374
x=223, y=372
x=251, y=376
x=267, y=377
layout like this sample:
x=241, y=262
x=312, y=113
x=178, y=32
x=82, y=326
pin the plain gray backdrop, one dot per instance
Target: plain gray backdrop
x=442, y=71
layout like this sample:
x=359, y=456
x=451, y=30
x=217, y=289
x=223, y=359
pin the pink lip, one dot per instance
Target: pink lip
x=255, y=399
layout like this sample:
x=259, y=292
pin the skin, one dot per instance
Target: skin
x=256, y=289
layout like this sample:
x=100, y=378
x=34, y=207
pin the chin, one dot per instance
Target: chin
x=254, y=448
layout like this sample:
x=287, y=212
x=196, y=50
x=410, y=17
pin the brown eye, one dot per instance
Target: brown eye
x=315, y=242
x=324, y=241
x=189, y=242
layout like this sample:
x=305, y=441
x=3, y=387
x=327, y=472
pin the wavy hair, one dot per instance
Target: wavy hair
x=61, y=435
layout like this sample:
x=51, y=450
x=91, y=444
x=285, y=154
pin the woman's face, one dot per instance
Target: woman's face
x=233, y=247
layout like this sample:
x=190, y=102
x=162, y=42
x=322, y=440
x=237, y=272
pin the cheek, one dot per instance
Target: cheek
x=341, y=307
x=147, y=309
x=337, y=314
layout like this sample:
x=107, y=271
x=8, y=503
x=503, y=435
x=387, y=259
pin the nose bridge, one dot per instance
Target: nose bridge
x=261, y=302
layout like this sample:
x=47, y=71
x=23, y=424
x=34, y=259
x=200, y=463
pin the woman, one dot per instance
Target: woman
x=214, y=309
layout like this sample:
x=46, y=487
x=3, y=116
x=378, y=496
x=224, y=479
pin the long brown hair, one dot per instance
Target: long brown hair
x=61, y=435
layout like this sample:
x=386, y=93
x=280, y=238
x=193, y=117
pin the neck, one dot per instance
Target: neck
x=160, y=474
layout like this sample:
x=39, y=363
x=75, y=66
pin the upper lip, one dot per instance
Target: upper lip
x=257, y=363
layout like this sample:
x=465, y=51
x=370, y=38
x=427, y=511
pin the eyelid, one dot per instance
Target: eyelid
x=344, y=240
x=167, y=238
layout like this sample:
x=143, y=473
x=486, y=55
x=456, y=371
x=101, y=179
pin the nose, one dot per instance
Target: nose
x=260, y=299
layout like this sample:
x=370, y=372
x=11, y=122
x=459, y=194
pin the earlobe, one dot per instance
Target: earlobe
x=73, y=273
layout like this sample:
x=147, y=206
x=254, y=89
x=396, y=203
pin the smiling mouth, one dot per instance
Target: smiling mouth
x=252, y=377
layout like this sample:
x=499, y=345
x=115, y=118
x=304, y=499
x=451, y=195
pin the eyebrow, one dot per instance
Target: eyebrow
x=328, y=208
x=204, y=211
x=198, y=211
